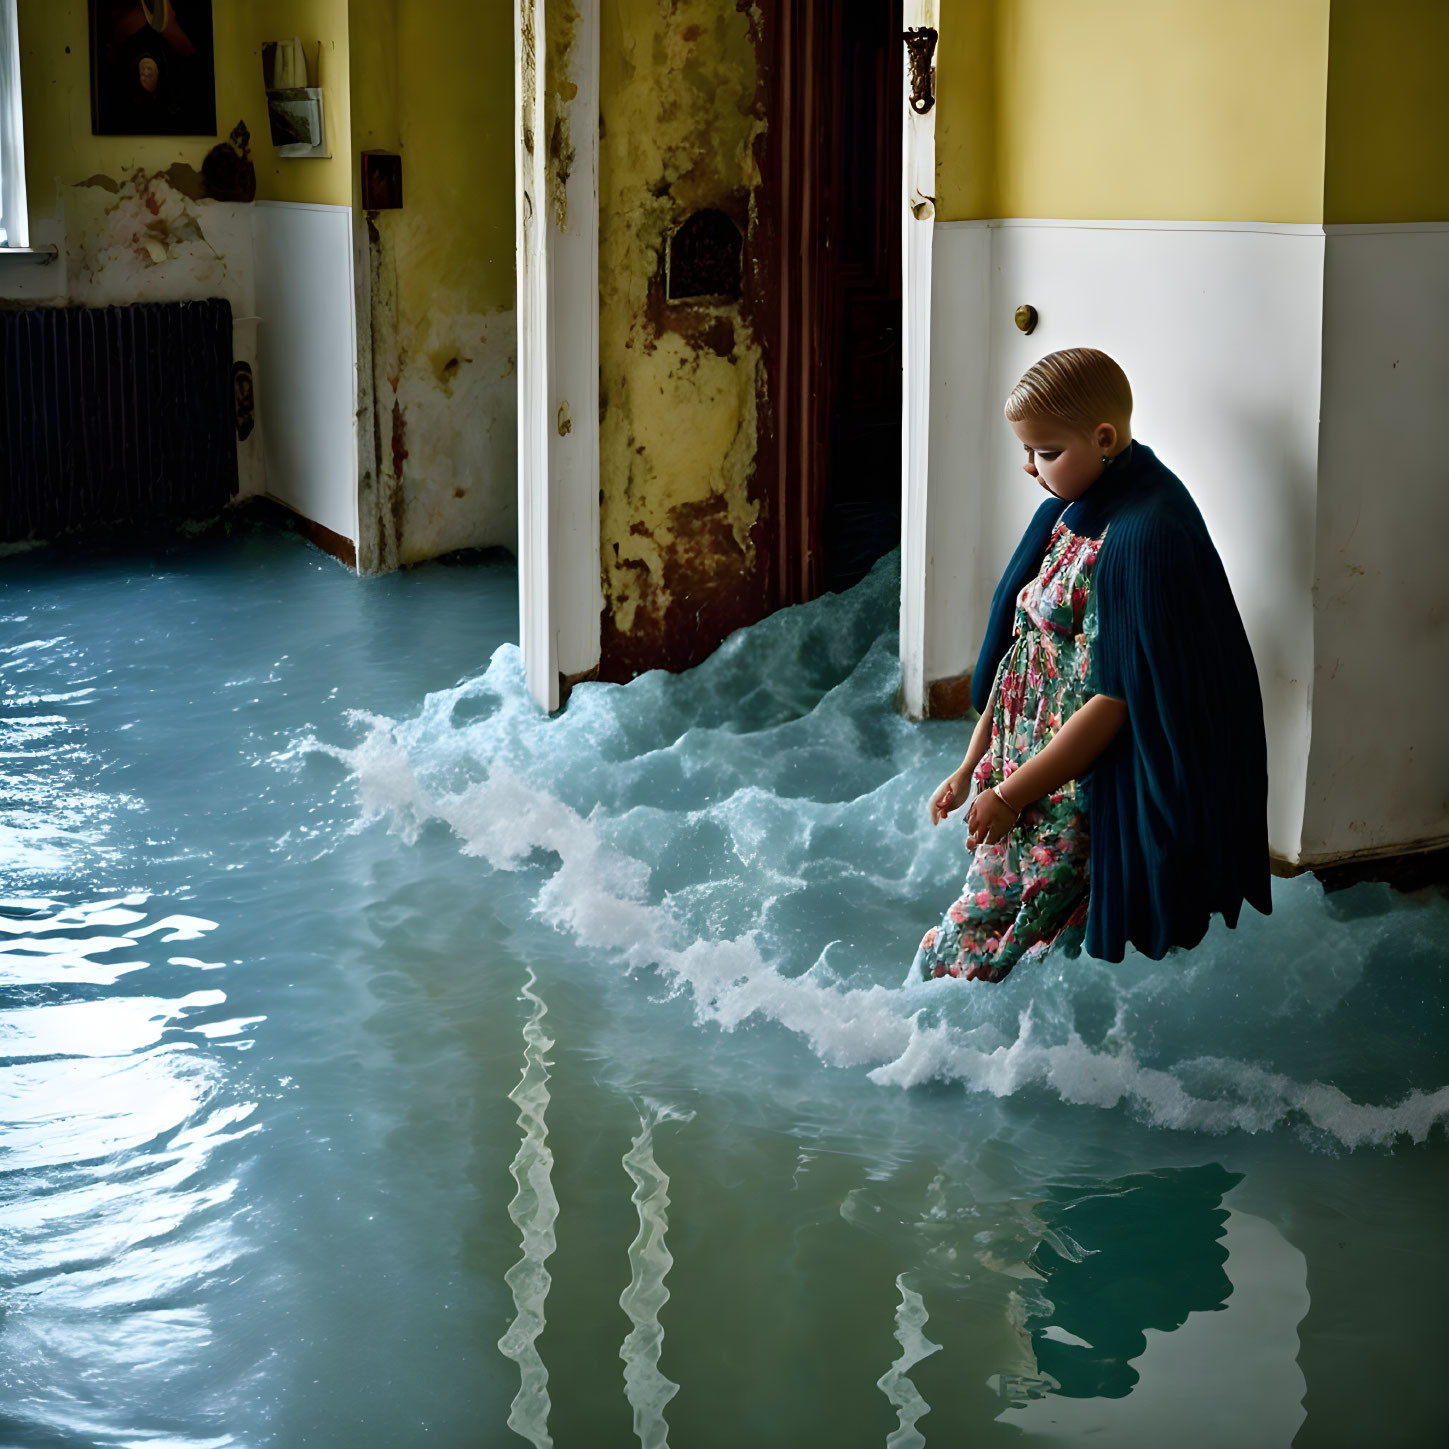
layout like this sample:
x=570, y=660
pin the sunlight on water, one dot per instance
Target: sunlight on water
x=115, y=1194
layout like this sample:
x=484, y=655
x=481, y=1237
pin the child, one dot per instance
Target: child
x=1121, y=733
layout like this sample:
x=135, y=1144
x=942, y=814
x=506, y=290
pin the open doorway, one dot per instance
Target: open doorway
x=832, y=198
x=749, y=453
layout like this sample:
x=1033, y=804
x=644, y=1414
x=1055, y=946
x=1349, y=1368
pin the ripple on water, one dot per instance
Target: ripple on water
x=118, y=1196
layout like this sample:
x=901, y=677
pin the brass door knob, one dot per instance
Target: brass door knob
x=1026, y=318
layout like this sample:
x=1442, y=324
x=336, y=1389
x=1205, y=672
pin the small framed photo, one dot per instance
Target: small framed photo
x=153, y=70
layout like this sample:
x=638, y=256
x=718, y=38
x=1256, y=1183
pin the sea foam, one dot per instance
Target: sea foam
x=755, y=831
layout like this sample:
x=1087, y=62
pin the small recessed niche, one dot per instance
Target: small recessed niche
x=381, y=181
x=703, y=259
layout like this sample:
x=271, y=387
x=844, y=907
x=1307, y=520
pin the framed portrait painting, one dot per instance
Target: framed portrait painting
x=153, y=69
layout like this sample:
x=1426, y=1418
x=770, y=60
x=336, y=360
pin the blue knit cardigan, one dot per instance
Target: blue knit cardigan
x=1177, y=804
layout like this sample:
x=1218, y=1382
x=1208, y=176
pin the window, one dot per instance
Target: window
x=14, y=221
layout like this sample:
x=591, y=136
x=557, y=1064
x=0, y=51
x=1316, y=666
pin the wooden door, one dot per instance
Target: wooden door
x=831, y=290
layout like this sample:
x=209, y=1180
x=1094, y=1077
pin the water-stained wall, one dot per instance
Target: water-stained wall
x=132, y=220
x=680, y=510
x=434, y=82
x=128, y=215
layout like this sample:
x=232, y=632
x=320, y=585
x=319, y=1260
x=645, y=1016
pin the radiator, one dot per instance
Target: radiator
x=114, y=416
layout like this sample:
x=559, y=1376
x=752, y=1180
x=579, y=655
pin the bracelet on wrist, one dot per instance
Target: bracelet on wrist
x=996, y=790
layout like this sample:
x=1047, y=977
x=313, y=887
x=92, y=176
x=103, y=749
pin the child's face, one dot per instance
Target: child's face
x=1065, y=462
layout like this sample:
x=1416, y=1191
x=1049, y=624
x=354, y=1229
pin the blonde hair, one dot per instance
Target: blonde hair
x=1078, y=386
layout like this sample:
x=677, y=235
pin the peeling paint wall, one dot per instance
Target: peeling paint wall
x=680, y=512
x=435, y=83
x=128, y=213
x=149, y=238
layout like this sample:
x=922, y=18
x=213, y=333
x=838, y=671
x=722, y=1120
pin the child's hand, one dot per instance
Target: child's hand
x=948, y=795
x=988, y=820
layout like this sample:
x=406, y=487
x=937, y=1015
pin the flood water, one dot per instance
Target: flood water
x=385, y=1064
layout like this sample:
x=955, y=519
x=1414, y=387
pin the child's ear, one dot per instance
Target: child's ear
x=1106, y=437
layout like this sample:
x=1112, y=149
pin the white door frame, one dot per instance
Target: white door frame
x=918, y=219
x=556, y=145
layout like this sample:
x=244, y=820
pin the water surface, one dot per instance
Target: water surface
x=387, y=1064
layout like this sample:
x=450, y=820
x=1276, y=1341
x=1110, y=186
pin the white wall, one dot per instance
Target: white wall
x=306, y=374
x=1219, y=328
x=1378, y=775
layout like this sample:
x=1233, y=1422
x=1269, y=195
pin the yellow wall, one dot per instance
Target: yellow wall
x=966, y=110
x=1133, y=109
x=372, y=53
x=55, y=83
x=315, y=21
x=455, y=88
x=1388, y=112
x=678, y=384
x=434, y=82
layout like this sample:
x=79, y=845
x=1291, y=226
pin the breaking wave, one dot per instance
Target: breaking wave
x=755, y=831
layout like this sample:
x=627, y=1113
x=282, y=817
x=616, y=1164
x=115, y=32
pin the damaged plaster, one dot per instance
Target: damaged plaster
x=679, y=382
x=562, y=31
x=153, y=237
x=456, y=396
x=436, y=326
x=118, y=232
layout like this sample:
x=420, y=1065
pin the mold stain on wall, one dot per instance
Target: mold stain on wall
x=435, y=82
x=680, y=510
x=562, y=30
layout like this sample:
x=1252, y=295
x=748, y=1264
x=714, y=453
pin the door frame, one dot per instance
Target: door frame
x=556, y=214
x=918, y=219
x=557, y=239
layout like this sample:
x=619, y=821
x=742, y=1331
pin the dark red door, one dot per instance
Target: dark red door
x=860, y=500
x=832, y=309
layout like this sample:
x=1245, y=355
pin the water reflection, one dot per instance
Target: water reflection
x=534, y=1210
x=896, y=1384
x=1162, y=1312
x=645, y=1386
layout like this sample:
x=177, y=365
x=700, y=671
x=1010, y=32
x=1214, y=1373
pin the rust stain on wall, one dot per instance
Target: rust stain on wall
x=528, y=80
x=680, y=510
x=561, y=91
x=399, y=439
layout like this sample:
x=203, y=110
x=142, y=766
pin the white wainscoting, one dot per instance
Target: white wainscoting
x=306, y=372
x=1378, y=772
x=1219, y=327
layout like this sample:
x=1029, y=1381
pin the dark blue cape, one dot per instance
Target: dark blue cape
x=1178, y=803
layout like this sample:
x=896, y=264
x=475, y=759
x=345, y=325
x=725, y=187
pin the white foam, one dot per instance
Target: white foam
x=728, y=822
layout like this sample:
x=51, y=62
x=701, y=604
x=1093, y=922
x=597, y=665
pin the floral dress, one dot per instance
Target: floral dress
x=1029, y=891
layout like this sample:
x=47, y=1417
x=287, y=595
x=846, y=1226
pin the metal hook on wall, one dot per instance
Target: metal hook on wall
x=921, y=47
